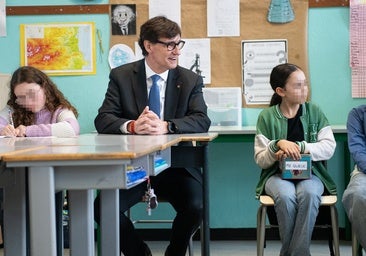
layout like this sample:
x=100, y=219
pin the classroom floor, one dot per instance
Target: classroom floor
x=244, y=248
x=249, y=248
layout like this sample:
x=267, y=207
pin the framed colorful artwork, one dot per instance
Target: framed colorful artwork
x=59, y=48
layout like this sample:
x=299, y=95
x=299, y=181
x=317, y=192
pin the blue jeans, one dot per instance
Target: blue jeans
x=354, y=202
x=296, y=206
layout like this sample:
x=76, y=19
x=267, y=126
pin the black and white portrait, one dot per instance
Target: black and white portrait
x=123, y=20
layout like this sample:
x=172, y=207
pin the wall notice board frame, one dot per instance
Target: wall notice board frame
x=104, y=8
x=226, y=68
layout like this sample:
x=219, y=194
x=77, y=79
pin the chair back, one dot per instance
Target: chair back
x=4, y=90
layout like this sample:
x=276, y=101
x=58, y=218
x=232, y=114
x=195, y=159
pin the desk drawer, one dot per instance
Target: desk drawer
x=159, y=161
x=110, y=175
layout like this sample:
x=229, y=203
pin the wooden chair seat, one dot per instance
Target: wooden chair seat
x=326, y=200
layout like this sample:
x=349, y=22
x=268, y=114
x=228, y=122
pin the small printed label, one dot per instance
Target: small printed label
x=296, y=165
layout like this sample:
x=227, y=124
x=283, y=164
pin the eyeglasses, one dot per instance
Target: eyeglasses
x=31, y=95
x=171, y=45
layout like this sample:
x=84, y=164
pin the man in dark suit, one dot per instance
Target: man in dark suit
x=181, y=109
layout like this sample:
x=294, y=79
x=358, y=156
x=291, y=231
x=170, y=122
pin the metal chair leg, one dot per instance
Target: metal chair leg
x=356, y=248
x=261, y=231
x=334, y=218
x=190, y=247
x=354, y=244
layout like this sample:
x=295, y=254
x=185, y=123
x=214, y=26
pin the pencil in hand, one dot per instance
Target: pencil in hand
x=11, y=122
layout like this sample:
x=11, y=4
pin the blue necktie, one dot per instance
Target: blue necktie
x=154, y=95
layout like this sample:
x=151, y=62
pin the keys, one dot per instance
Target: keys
x=150, y=198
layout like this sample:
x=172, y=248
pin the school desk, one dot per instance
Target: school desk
x=92, y=161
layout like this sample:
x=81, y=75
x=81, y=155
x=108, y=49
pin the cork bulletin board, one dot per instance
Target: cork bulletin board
x=226, y=70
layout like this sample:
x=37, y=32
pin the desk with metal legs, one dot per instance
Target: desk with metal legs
x=80, y=164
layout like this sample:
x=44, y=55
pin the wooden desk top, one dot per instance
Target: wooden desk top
x=202, y=137
x=11, y=145
x=95, y=146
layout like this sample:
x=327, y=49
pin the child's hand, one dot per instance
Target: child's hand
x=291, y=149
x=9, y=131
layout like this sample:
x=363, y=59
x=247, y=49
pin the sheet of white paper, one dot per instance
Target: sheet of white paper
x=4, y=89
x=196, y=56
x=169, y=9
x=223, y=18
x=258, y=59
x=2, y=18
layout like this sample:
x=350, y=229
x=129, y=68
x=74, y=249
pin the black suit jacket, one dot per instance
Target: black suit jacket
x=126, y=97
